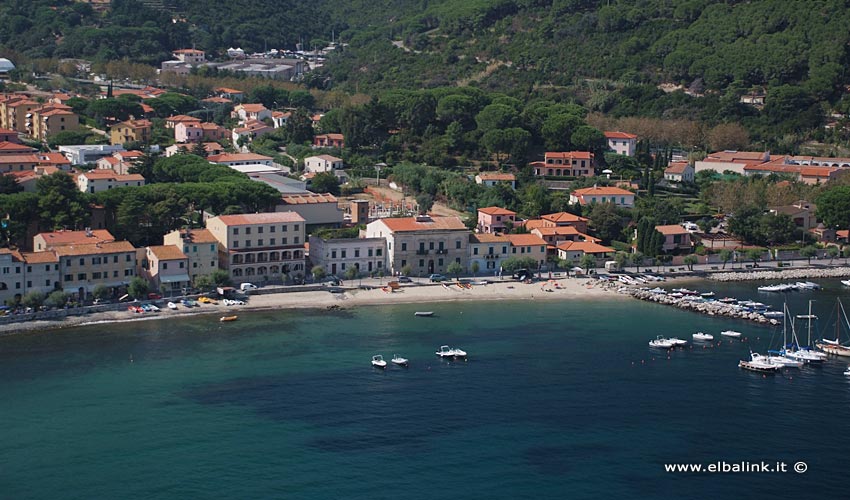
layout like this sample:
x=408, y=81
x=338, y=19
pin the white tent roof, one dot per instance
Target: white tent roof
x=6, y=65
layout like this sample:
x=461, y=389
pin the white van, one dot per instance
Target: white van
x=247, y=286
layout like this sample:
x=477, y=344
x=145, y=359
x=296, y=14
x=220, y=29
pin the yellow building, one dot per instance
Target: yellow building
x=51, y=120
x=131, y=131
x=201, y=248
x=83, y=267
x=14, y=110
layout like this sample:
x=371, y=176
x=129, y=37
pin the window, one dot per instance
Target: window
x=259, y=242
x=272, y=241
x=182, y=265
x=295, y=227
x=513, y=250
x=440, y=262
x=212, y=247
x=283, y=228
x=431, y=245
x=185, y=248
x=195, y=248
x=68, y=277
x=421, y=262
x=165, y=265
x=457, y=244
x=29, y=270
x=29, y=284
x=128, y=272
x=260, y=230
x=271, y=229
x=295, y=240
x=96, y=276
x=457, y=259
x=17, y=284
x=114, y=259
x=343, y=252
x=403, y=263
x=380, y=264
x=370, y=252
x=283, y=241
x=379, y=251
x=504, y=249
x=247, y=231
x=333, y=254
x=67, y=263
x=475, y=251
x=247, y=243
x=114, y=274
x=81, y=276
x=46, y=282
x=194, y=265
x=404, y=247
x=235, y=231
x=235, y=244
x=129, y=257
x=356, y=253
x=82, y=261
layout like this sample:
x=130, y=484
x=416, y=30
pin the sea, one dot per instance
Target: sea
x=557, y=399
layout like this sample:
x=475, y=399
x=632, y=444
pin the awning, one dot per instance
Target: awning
x=175, y=278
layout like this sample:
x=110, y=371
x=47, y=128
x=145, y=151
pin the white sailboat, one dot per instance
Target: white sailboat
x=777, y=357
x=793, y=351
x=835, y=347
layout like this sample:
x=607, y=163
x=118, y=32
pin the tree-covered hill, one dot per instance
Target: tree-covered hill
x=590, y=46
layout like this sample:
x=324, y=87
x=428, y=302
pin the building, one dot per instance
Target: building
x=428, y=244
x=230, y=94
x=95, y=181
x=801, y=212
x=200, y=248
x=41, y=272
x=50, y=120
x=245, y=112
x=12, y=148
x=240, y=159
x=45, y=241
x=488, y=251
x=18, y=163
x=251, y=130
x=569, y=164
x=316, y=209
x=280, y=118
x=621, y=143
x=199, y=132
x=190, y=56
x=83, y=267
x=575, y=250
x=8, y=135
x=279, y=69
x=679, y=171
x=733, y=161
x=528, y=246
x=172, y=121
x=322, y=163
x=564, y=219
x=268, y=246
x=12, y=279
x=495, y=219
x=490, y=179
x=553, y=236
x=603, y=194
x=211, y=149
x=14, y=110
x=338, y=255
x=166, y=268
x=88, y=154
x=329, y=141
x=131, y=131
x=676, y=238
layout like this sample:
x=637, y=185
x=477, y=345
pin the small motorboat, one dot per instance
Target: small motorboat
x=224, y=319
x=134, y=309
x=677, y=341
x=845, y=282
x=773, y=314
x=728, y=300
x=423, y=313
x=446, y=352
x=661, y=343
x=186, y=302
x=847, y=371
x=703, y=337
x=758, y=363
x=398, y=360
x=731, y=333
x=706, y=295
x=459, y=353
x=172, y=306
x=378, y=361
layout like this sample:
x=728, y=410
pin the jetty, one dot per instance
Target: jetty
x=785, y=274
x=700, y=305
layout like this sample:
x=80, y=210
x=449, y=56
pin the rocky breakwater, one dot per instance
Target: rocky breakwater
x=699, y=305
x=809, y=272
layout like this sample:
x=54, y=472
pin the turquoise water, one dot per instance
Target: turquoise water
x=557, y=400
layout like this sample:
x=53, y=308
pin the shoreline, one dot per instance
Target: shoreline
x=561, y=289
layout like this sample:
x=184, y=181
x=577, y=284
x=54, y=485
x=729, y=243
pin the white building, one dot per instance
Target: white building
x=237, y=159
x=428, y=244
x=95, y=181
x=322, y=163
x=336, y=256
x=85, y=154
x=680, y=171
x=622, y=143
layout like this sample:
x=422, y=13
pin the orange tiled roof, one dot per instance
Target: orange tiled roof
x=573, y=155
x=226, y=90
x=39, y=257
x=266, y=218
x=534, y=224
x=237, y=157
x=496, y=176
x=337, y=137
x=671, y=229
x=563, y=217
x=496, y=211
x=58, y=238
x=488, y=238
x=167, y=252
x=602, y=191
x=525, y=240
x=30, y=158
x=6, y=146
x=198, y=236
x=584, y=246
x=676, y=167
x=619, y=135
x=94, y=248
x=254, y=108
x=217, y=100
x=432, y=223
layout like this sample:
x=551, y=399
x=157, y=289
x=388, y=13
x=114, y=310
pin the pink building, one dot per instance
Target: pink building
x=493, y=219
x=199, y=132
x=329, y=141
x=569, y=164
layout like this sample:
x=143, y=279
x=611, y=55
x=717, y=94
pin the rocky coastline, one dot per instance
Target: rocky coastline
x=785, y=274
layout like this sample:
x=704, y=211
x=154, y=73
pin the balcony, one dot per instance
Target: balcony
x=422, y=252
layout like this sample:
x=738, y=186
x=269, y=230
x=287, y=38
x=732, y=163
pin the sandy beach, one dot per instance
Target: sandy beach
x=560, y=289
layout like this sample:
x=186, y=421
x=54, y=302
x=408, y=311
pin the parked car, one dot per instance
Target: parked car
x=330, y=280
x=154, y=296
x=244, y=287
x=404, y=279
x=436, y=278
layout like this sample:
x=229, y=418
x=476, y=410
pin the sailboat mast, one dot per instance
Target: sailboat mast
x=810, y=324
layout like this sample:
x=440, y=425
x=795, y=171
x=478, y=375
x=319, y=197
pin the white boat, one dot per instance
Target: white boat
x=423, y=313
x=703, y=337
x=378, y=361
x=172, y=306
x=778, y=357
x=845, y=282
x=459, y=353
x=677, y=341
x=835, y=347
x=661, y=343
x=445, y=352
x=707, y=295
x=807, y=285
x=731, y=333
x=727, y=300
x=847, y=371
x=758, y=363
x=398, y=360
x=773, y=314
x=805, y=355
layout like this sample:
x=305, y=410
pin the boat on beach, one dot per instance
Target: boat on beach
x=378, y=361
x=172, y=306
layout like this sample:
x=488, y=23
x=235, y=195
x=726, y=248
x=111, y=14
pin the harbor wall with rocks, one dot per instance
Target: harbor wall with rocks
x=713, y=308
x=785, y=274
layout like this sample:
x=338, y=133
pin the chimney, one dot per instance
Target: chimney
x=89, y=234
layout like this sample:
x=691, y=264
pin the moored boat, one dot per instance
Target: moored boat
x=677, y=341
x=423, y=313
x=759, y=364
x=703, y=337
x=224, y=319
x=378, y=361
x=398, y=360
x=731, y=333
x=661, y=343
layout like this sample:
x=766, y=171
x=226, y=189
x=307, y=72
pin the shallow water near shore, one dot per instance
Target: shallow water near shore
x=557, y=399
